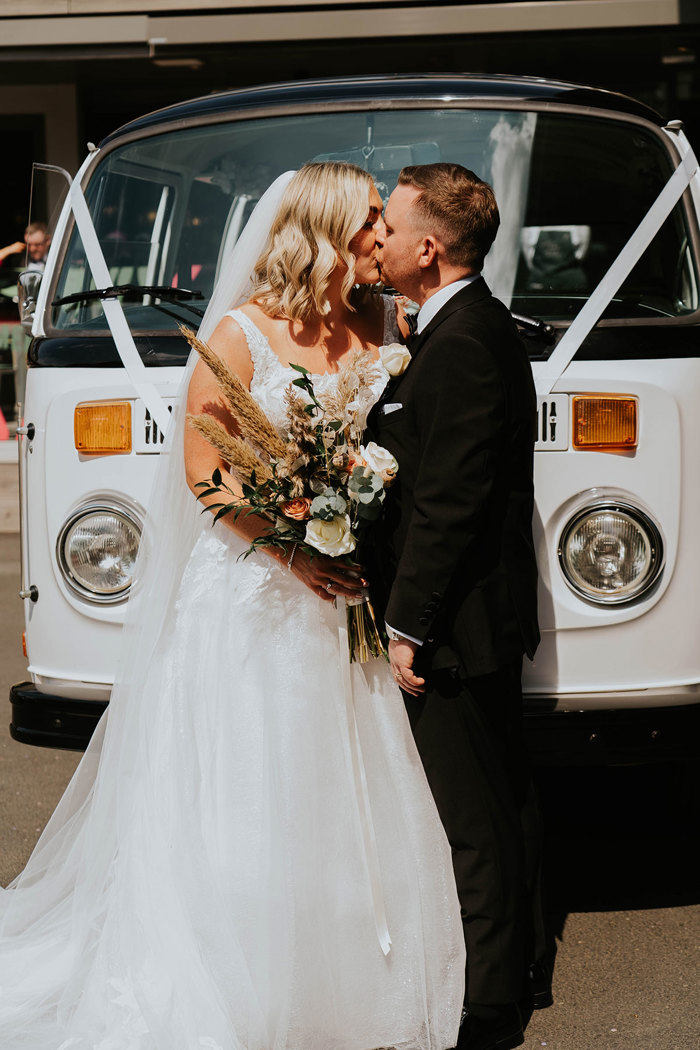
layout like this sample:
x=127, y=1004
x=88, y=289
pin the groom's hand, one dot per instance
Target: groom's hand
x=401, y=656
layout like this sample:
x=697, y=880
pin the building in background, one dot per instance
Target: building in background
x=73, y=70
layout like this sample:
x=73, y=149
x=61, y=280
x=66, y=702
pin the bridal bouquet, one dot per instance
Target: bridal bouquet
x=321, y=487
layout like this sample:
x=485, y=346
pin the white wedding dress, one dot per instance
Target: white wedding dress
x=207, y=887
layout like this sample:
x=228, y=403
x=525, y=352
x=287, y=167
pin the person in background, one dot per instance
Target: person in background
x=36, y=245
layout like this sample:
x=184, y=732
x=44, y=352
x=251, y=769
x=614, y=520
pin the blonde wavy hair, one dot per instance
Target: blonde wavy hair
x=323, y=207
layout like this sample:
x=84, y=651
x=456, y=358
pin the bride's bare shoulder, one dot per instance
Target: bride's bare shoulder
x=228, y=340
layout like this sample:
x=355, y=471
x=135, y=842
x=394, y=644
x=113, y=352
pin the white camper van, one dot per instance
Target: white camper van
x=598, y=257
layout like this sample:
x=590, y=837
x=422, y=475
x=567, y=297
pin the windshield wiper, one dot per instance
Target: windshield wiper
x=535, y=326
x=132, y=291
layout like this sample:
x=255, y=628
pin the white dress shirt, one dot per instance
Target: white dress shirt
x=430, y=308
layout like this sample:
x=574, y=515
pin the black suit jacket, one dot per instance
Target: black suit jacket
x=455, y=562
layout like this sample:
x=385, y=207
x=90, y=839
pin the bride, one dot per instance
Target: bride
x=244, y=859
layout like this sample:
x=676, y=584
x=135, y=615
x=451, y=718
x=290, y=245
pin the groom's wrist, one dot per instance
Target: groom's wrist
x=398, y=636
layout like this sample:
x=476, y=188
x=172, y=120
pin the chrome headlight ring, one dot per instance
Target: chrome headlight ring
x=96, y=551
x=610, y=552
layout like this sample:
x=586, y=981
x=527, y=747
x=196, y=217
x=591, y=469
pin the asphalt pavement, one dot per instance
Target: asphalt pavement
x=621, y=871
x=32, y=779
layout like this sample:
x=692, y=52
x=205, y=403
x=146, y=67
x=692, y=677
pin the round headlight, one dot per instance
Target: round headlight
x=610, y=553
x=97, y=550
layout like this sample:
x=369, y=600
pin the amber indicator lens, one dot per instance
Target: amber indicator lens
x=24, y=642
x=102, y=426
x=605, y=422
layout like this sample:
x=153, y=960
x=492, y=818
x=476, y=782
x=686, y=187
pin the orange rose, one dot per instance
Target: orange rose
x=355, y=460
x=298, y=509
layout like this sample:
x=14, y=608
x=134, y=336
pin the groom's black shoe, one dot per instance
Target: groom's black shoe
x=503, y=1030
x=539, y=986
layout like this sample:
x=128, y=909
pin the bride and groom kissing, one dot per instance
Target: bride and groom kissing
x=205, y=883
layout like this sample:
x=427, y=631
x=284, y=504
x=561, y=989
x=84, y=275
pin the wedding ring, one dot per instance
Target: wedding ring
x=329, y=587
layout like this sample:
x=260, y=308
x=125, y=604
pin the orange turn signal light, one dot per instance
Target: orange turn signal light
x=24, y=642
x=102, y=426
x=604, y=421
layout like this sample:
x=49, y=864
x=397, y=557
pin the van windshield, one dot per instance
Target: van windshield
x=571, y=190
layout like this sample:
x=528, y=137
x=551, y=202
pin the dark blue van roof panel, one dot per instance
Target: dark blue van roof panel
x=397, y=87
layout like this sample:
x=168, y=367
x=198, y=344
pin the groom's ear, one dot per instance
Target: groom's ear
x=428, y=251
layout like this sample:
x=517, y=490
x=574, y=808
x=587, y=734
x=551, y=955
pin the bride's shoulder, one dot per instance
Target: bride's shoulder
x=230, y=342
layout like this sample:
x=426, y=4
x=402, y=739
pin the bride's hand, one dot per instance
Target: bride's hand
x=327, y=577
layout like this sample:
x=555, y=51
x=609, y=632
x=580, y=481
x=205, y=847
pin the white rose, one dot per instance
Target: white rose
x=380, y=461
x=330, y=537
x=395, y=358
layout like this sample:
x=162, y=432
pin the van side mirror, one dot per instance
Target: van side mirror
x=28, y=284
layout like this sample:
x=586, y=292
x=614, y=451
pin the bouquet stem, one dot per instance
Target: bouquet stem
x=364, y=640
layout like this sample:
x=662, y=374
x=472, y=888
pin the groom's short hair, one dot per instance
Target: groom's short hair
x=462, y=207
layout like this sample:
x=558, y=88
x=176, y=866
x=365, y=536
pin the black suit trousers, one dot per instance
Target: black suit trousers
x=469, y=736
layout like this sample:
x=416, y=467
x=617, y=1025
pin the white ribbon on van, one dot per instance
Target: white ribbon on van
x=621, y=268
x=114, y=312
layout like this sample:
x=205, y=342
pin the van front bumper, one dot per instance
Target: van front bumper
x=621, y=736
x=52, y=721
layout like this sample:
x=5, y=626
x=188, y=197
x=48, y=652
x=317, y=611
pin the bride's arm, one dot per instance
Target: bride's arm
x=201, y=460
x=205, y=397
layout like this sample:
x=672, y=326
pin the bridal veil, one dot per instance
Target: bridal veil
x=202, y=884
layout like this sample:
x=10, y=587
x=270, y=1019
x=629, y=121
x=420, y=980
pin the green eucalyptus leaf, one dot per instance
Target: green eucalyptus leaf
x=224, y=510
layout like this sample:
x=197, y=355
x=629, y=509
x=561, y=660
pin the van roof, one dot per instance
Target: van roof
x=424, y=86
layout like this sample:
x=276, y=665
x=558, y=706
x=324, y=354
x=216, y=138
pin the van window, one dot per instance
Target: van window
x=571, y=190
x=591, y=182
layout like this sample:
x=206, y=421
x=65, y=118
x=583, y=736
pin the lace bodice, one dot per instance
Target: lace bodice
x=271, y=378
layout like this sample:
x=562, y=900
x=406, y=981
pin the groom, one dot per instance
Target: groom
x=457, y=573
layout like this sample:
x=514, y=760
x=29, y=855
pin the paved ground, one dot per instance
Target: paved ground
x=31, y=779
x=9, y=488
x=624, y=908
x=622, y=872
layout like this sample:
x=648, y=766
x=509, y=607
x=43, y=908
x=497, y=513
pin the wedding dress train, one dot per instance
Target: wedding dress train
x=207, y=886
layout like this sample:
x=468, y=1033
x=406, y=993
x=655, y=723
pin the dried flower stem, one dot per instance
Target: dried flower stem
x=360, y=371
x=237, y=453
